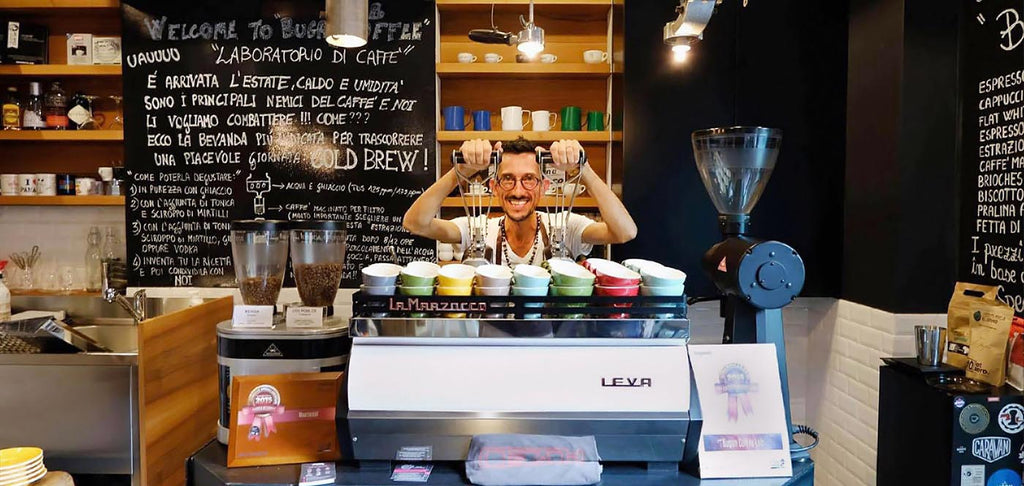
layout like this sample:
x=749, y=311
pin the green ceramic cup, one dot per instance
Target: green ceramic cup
x=571, y=116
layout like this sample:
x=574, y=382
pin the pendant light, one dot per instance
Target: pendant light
x=531, y=38
x=348, y=23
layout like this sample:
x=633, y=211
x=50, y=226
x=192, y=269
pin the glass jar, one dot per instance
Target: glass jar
x=318, y=259
x=259, y=249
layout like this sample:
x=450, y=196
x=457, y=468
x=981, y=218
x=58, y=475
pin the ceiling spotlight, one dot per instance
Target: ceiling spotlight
x=348, y=23
x=688, y=27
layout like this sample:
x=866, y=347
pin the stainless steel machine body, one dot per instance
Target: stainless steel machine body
x=423, y=387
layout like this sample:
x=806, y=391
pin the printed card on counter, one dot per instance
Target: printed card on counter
x=283, y=419
x=253, y=316
x=411, y=473
x=305, y=317
x=744, y=433
x=317, y=473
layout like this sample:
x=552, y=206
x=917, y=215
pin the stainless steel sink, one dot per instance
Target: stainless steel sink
x=116, y=338
x=84, y=310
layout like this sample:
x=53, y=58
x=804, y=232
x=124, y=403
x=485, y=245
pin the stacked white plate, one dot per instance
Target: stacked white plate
x=20, y=466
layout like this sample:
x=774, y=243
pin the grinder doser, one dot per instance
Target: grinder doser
x=757, y=277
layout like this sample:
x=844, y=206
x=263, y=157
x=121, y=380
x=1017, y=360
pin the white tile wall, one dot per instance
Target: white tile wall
x=60, y=233
x=846, y=346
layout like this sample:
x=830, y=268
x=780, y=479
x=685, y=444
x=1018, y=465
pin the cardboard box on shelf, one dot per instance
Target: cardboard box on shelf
x=22, y=42
x=80, y=49
x=106, y=50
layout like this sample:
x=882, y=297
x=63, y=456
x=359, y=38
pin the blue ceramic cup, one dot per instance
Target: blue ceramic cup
x=454, y=118
x=481, y=120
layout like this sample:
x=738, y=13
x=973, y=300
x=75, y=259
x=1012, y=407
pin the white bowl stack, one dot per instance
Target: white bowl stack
x=20, y=466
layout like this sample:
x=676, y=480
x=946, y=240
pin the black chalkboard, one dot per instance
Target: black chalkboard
x=992, y=147
x=240, y=109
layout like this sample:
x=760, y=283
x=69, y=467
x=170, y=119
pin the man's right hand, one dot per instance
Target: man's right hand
x=477, y=156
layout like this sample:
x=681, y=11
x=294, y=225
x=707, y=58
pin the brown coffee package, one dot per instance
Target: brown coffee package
x=978, y=327
x=283, y=419
x=967, y=299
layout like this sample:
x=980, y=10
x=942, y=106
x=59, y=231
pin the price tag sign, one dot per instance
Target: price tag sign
x=253, y=316
x=305, y=317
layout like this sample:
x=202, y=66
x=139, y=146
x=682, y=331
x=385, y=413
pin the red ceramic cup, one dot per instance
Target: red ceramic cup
x=617, y=291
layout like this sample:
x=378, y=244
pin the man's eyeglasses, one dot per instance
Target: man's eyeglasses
x=508, y=182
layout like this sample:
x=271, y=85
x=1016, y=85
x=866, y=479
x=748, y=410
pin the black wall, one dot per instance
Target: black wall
x=775, y=63
x=902, y=132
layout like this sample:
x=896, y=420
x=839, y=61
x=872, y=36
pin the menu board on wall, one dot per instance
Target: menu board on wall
x=240, y=109
x=992, y=147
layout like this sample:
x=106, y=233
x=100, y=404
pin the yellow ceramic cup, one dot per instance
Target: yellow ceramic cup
x=455, y=290
x=456, y=275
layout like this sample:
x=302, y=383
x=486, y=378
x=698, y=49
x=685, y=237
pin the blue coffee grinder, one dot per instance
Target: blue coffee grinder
x=757, y=277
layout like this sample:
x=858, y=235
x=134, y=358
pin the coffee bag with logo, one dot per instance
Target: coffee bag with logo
x=1015, y=352
x=966, y=301
x=989, y=329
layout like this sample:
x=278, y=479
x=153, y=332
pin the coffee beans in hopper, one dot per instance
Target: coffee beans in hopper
x=318, y=283
x=260, y=290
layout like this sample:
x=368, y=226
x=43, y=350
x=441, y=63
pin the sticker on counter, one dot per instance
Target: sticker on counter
x=413, y=473
x=973, y=475
x=1004, y=477
x=415, y=453
x=1011, y=418
x=991, y=449
x=959, y=402
x=974, y=418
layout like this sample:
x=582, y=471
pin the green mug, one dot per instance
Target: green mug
x=595, y=121
x=571, y=118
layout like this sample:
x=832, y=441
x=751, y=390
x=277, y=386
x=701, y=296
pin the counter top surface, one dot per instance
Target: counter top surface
x=207, y=468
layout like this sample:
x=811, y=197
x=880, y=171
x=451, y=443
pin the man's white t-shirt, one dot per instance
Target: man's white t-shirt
x=575, y=224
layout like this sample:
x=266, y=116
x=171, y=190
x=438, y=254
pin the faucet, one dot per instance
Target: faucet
x=115, y=284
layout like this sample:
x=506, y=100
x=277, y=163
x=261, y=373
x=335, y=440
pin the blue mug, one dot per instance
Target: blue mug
x=454, y=118
x=481, y=120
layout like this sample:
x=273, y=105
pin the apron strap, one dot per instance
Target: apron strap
x=498, y=256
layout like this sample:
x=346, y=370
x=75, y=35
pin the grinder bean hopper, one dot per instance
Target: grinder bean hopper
x=757, y=277
x=476, y=200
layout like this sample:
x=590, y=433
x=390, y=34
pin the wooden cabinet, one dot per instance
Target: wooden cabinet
x=65, y=151
x=571, y=27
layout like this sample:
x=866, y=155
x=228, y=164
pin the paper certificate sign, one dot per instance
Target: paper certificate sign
x=744, y=433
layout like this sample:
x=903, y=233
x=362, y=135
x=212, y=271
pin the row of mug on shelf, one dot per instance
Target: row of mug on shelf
x=592, y=56
x=60, y=184
x=515, y=118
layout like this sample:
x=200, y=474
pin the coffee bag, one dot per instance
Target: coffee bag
x=967, y=299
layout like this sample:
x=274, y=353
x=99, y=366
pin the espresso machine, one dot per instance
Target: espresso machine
x=757, y=277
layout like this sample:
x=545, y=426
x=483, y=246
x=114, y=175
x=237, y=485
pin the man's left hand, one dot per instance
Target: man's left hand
x=566, y=155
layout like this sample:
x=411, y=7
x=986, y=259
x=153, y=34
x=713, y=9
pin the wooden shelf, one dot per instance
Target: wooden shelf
x=516, y=70
x=63, y=135
x=61, y=200
x=455, y=5
x=59, y=4
x=549, y=136
x=582, y=202
x=43, y=293
x=58, y=70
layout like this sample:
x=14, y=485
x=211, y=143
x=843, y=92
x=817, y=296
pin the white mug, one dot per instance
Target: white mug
x=571, y=187
x=106, y=173
x=477, y=189
x=512, y=118
x=27, y=184
x=543, y=120
x=445, y=252
x=84, y=186
x=466, y=57
x=594, y=56
x=492, y=57
x=46, y=184
x=548, y=58
x=9, y=184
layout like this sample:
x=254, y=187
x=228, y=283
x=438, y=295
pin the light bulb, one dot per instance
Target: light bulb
x=531, y=48
x=347, y=41
x=680, y=52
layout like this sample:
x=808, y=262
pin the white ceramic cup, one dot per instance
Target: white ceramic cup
x=514, y=118
x=445, y=252
x=466, y=57
x=477, y=189
x=492, y=57
x=46, y=184
x=9, y=184
x=548, y=58
x=543, y=120
x=106, y=173
x=571, y=187
x=26, y=184
x=84, y=185
x=594, y=56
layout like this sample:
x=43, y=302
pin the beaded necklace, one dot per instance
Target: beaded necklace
x=505, y=244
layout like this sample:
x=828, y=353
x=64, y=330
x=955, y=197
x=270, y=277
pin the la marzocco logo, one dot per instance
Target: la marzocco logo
x=990, y=449
x=627, y=382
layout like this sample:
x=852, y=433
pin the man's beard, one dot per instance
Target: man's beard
x=524, y=218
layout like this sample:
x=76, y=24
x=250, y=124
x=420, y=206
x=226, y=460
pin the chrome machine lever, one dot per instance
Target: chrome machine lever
x=476, y=200
x=561, y=206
